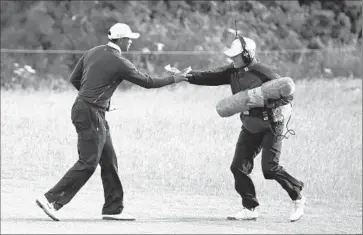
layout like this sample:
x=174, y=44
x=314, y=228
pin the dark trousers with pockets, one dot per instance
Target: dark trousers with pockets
x=248, y=146
x=94, y=147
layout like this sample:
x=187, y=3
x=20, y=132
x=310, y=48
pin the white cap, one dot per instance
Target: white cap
x=120, y=30
x=236, y=48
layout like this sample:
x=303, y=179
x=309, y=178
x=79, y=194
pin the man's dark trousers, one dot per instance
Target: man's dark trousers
x=248, y=147
x=94, y=147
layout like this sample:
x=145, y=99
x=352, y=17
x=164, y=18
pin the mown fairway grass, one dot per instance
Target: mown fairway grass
x=174, y=141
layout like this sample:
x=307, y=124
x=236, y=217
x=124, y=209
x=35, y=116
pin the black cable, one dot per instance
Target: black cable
x=288, y=131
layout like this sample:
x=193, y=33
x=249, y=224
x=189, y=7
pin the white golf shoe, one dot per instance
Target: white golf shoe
x=122, y=216
x=244, y=214
x=298, y=209
x=47, y=207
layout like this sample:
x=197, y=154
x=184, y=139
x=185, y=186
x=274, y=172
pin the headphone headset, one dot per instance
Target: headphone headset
x=246, y=57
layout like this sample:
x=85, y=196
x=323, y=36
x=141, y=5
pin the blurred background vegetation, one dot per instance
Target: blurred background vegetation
x=303, y=39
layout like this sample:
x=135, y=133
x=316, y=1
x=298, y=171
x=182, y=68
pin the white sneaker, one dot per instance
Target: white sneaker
x=298, y=209
x=122, y=216
x=244, y=214
x=47, y=207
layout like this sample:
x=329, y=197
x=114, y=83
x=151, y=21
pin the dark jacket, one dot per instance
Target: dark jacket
x=101, y=69
x=240, y=79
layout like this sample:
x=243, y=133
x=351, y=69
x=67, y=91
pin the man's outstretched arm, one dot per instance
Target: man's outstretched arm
x=214, y=77
x=132, y=74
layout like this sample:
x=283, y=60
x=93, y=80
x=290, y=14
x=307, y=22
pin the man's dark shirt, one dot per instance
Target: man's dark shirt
x=101, y=69
x=241, y=79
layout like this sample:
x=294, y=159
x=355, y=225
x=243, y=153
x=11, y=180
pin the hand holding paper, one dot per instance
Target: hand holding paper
x=178, y=75
x=174, y=70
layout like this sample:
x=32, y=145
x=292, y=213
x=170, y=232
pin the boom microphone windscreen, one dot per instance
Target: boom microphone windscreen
x=276, y=88
x=234, y=104
x=273, y=89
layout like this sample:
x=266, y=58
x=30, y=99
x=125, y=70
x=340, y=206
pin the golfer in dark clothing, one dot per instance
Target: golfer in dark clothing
x=96, y=76
x=246, y=73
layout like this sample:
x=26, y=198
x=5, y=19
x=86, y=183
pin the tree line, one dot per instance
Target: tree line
x=186, y=25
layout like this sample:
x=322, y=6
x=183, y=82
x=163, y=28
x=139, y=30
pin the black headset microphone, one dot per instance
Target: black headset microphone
x=246, y=57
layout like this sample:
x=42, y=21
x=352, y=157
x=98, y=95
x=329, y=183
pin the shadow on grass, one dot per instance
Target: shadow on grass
x=49, y=220
x=143, y=220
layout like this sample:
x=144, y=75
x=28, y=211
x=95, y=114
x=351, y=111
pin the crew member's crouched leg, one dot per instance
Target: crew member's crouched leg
x=247, y=148
x=272, y=170
x=271, y=151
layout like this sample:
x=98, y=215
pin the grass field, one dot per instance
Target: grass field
x=174, y=154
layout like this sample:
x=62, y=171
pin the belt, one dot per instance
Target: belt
x=93, y=105
x=259, y=113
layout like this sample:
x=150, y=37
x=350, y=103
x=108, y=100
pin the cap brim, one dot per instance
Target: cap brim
x=133, y=35
x=230, y=53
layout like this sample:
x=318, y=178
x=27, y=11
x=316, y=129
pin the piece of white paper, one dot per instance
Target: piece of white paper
x=175, y=70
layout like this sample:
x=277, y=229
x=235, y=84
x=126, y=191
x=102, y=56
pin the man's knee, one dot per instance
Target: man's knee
x=270, y=172
x=239, y=170
x=88, y=166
